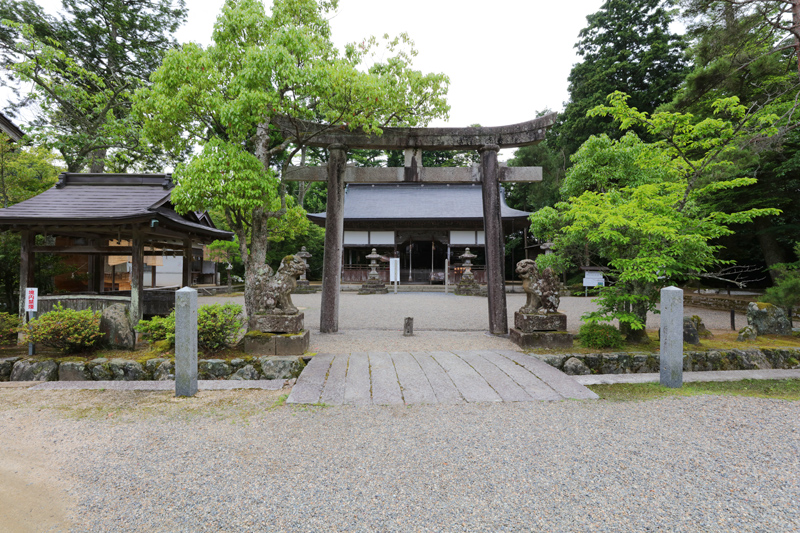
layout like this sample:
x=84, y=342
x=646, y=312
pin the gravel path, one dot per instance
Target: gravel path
x=441, y=321
x=221, y=462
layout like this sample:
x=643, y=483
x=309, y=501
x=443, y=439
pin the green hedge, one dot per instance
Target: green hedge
x=218, y=326
x=66, y=330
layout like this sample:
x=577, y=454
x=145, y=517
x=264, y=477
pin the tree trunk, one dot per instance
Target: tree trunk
x=796, y=32
x=770, y=247
x=98, y=161
x=256, y=257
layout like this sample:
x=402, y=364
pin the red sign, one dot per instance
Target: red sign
x=32, y=299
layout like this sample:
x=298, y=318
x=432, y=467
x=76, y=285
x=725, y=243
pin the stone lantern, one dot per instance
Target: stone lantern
x=468, y=286
x=374, y=285
x=303, y=286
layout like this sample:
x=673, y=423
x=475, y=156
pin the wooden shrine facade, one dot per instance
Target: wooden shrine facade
x=99, y=215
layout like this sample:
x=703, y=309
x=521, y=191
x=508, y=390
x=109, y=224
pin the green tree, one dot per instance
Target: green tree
x=647, y=219
x=627, y=46
x=261, y=66
x=83, y=66
x=786, y=291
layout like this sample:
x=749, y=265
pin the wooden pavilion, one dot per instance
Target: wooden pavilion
x=99, y=215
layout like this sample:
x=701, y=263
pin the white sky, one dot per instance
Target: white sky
x=506, y=59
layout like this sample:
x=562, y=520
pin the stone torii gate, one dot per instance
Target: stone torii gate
x=487, y=141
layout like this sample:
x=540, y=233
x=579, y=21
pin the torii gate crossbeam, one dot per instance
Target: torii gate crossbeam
x=487, y=141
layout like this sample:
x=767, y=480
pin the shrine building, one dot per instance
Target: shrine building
x=422, y=223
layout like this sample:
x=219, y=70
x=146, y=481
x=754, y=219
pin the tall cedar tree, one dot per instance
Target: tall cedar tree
x=84, y=65
x=627, y=46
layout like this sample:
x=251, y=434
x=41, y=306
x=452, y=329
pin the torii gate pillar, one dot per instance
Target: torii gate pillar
x=495, y=247
x=334, y=237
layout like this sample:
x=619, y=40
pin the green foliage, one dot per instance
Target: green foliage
x=25, y=171
x=785, y=292
x=594, y=335
x=648, y=223
x=83, y=66
x=66, y=330
x=626, y=46
x=158, y=328
x=9, y=326
x=218, y=326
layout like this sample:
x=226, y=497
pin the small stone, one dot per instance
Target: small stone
x=213, y=369
x=575, y=367
x=247, y=372
x=165, y=371
x=74, y=371
x=6, y=365
x=747, y=333
x=280, y=367
x=690, y=335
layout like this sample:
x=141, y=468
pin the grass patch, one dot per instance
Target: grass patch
x=784, y=389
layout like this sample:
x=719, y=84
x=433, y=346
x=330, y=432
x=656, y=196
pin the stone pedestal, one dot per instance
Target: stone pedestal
x=541, y=330
x=260, y=343
x=373, y=286
x=278, y=323
x=304, y=287
x=470, y=287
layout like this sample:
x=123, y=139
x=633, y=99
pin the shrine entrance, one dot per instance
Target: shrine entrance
x=422, y=256
x=490, y=174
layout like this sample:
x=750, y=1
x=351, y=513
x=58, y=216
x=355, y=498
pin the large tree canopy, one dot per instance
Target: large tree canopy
x=627, y=46
x=84, y=65
x=261, y=66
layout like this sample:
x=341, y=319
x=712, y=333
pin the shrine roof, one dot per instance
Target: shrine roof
x=99, y=200
x=10, y=129
x=421, y=201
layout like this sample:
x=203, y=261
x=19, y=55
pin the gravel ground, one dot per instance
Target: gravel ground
x=222, y=462
x=441, y=321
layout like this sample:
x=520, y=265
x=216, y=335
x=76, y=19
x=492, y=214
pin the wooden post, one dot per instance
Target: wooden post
x=153, y=276
x=137, y=278
x=186, y=277
x=493, y=231
x=25, y=271
x=334, y=235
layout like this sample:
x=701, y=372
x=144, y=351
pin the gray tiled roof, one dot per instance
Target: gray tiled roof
x=417, y=201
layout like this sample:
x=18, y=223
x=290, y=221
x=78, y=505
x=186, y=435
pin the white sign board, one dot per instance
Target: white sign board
x=593, y=279
x=32, y=299
x=394, y=270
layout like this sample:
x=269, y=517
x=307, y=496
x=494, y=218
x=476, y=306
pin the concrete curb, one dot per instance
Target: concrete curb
x=717, y=375
x=203, y=384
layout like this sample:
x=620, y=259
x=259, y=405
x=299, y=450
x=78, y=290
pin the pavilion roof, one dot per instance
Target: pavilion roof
x=103, y=203
x=10, y=129
x=421, y=201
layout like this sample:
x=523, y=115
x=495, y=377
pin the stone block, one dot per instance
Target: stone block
x=247, y=372
x=541, y=339
x=25, y=370
x=74, y=371
x=213, y=369
x=470, y=288
x=292, y=344
x=373, y=287
x=768, y=319
x=258, y=343
x=549, y=322
x=165, y=372
x=116, y=325
x=281, y=367
x=6, y=365
x=575, y=367
x=278, y=323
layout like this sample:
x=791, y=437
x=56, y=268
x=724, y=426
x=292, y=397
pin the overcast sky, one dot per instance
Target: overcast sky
x=506, y=59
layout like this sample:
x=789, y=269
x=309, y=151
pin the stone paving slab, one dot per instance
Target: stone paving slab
x=688, y=377
x=202, y=384
x=397, y=378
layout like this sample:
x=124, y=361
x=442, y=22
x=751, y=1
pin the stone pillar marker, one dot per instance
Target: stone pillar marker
x=334, y=237
x=186, y=342
x=671, y=365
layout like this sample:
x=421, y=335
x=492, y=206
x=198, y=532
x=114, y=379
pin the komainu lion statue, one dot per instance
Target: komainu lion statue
x=272, y=293
x=541, y=288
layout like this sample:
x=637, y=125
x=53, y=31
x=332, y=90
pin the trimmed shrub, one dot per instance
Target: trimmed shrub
x=158, y=328
x=594, y=335
x=9, y=326
x=67, y=330
x=218, y=326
